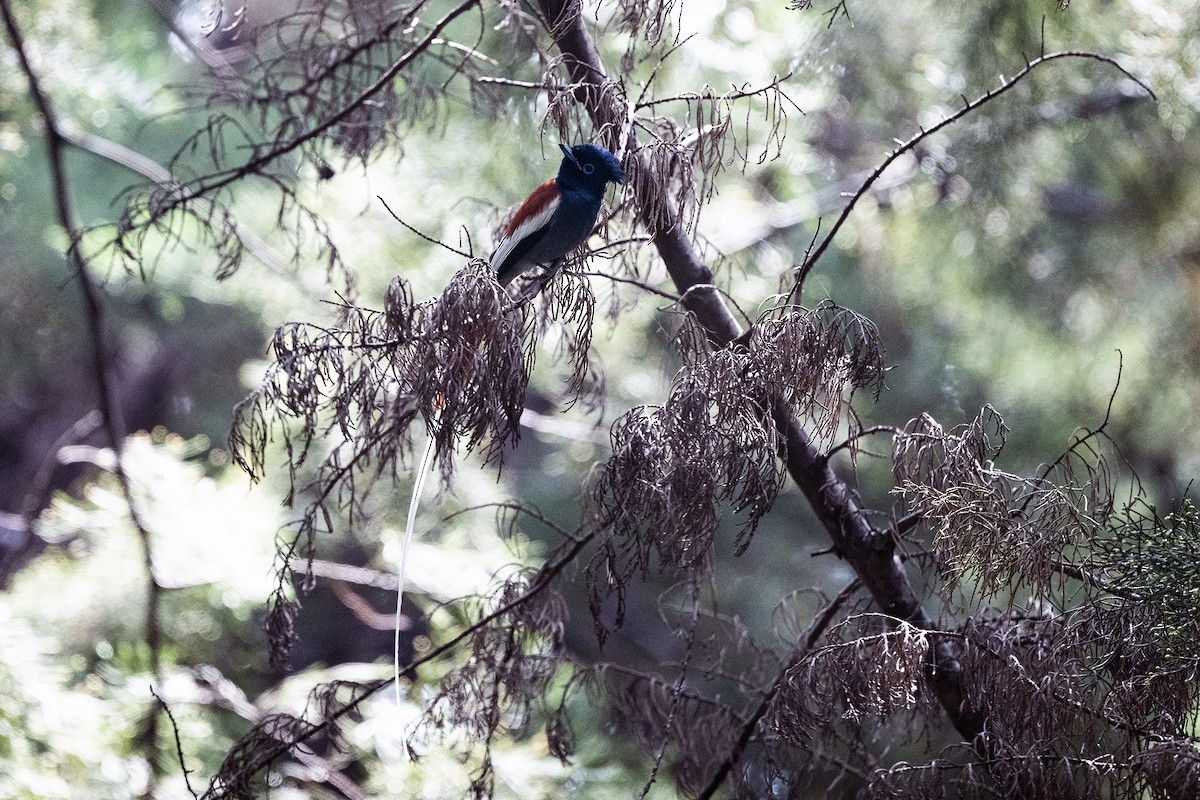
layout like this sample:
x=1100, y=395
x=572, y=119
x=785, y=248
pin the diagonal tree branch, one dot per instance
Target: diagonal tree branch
x=209, y=184
x=542, y=580
x=147, y=167
x=871, y=553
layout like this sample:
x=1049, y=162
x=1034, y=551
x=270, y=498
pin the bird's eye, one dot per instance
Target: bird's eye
x=588, y=169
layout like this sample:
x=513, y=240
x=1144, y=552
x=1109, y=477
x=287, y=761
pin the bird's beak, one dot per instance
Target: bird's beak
x=567, y=154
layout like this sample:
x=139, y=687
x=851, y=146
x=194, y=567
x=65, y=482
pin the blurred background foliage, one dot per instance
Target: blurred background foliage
x=1006, y=264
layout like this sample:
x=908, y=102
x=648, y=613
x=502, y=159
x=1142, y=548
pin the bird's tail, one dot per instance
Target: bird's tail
x=413, y=504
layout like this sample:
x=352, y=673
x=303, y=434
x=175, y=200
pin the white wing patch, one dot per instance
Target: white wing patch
x=532, y=221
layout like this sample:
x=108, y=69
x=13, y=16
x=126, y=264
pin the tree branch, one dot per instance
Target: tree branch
x=258, y=760
x=871, y=553
x=147, y=167
x=211, y=183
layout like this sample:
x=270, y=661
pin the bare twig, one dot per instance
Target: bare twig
x=225, y=693
x=543, y=423
x=517, y=84
x=736, y=94
x=348, y=573
x=187, y=779
x=1080, y=441
x=677, y=693
x=39, y=489
x=424, y=236
x=968, y=107
x=818, y=627
x=630, y=281
x=852, y=440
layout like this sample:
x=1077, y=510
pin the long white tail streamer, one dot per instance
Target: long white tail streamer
x=413, y=503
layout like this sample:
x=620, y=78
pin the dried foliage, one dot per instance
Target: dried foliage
x=1060, y=721
x=660, y=715
x=858, y=674
x=1007, y=531
x=456, y=365
x=1082, y=701
x=691, y=146
x=815, y=361
x=458, y=362
x=514, y=658
x=714, y=441
x=649, y=21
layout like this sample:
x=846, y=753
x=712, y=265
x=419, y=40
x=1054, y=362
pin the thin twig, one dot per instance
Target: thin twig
x=346, y=573
x=178, y=744
x=736, y=94
x=677, y=695
x=969, y=106
x=658, y=64
x=1080, y=440
x=644, y=286
x=39, y=488
x=225, y=693
x=517, y=84
x=424, y=236
x=892, y=429
x=517, y=508
x=1084, y=576
x=819, y=624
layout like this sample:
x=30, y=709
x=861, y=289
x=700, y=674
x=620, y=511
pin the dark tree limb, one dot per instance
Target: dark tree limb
x=102, y=359
x=871, y=553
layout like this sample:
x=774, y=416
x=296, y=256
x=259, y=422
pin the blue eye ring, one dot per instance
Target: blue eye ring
x=588, y=169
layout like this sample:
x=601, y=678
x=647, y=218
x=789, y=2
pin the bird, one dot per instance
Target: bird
x=558, y=216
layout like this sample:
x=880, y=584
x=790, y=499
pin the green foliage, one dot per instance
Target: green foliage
x=1153, y=563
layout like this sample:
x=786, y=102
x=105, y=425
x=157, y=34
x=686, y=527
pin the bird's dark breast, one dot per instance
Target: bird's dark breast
x=570, y=226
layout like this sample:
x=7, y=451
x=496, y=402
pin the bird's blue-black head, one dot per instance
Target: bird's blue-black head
x=560, y=214
x=589, y=167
